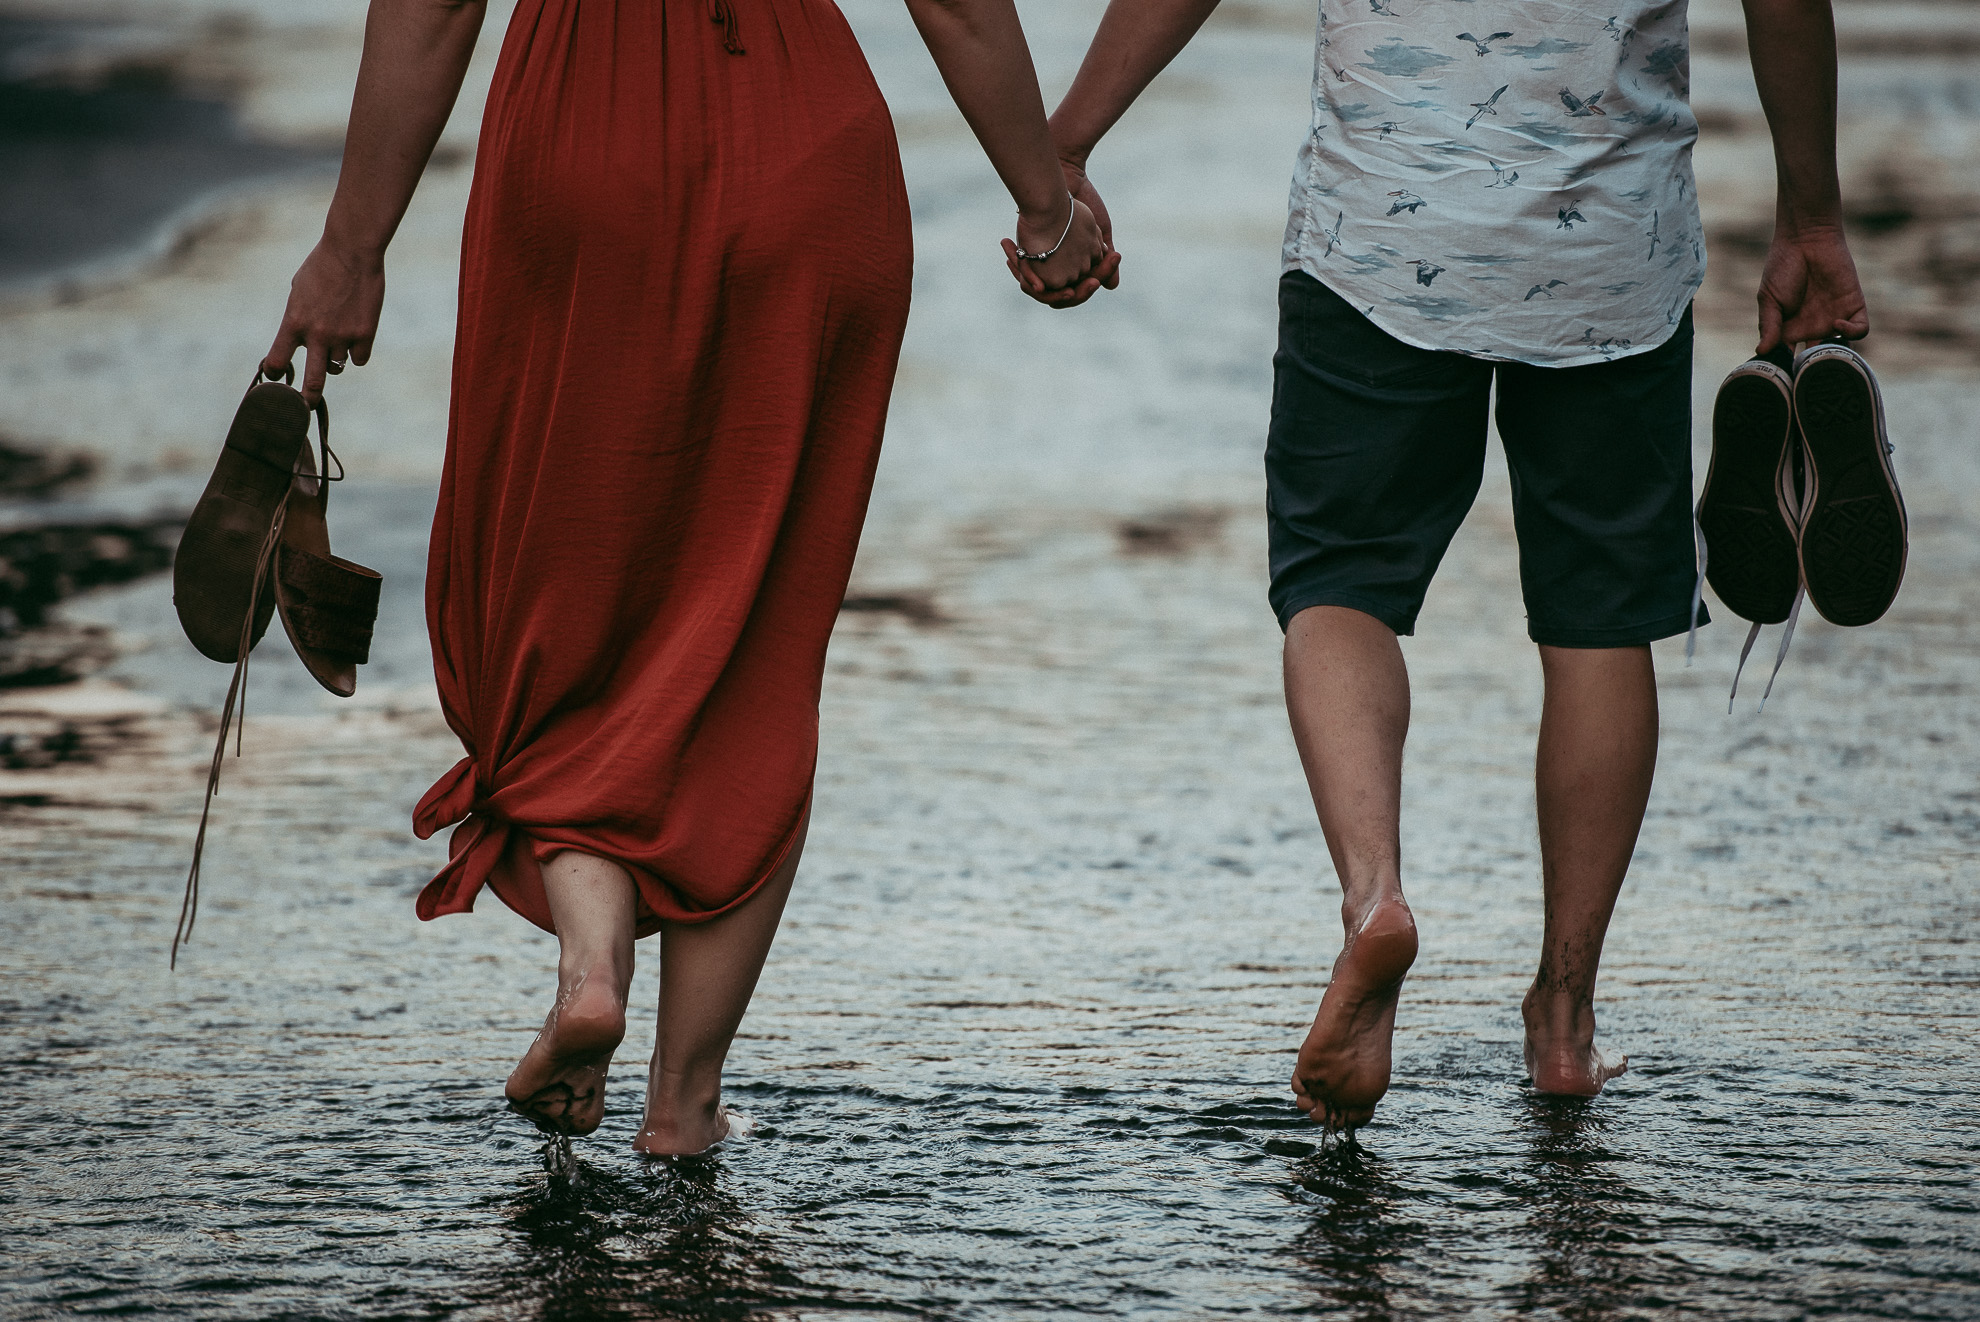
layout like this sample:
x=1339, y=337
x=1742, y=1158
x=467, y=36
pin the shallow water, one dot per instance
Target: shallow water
x=1021, y=1049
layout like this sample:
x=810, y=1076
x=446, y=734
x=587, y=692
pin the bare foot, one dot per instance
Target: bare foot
x=1561, y=1054
x=688, y=1130
x=1343, y=1066
x=560, y=1081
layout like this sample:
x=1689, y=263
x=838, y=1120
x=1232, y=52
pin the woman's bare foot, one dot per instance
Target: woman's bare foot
x=1343, y=1066
x=560, y=1081
x=1561, y=1054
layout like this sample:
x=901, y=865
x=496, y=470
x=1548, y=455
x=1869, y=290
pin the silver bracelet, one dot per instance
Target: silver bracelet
x=1072, y=214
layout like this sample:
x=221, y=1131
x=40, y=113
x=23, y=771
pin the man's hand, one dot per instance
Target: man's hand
x=1809, y=291
x=1106, y=274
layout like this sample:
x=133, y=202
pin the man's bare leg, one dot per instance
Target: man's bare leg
x=560, y=1081
x=707, y=974
x=1598, y=752
x=1347, y=691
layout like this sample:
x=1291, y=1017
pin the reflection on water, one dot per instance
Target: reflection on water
x=1359, y=1235
x=667, y=1239
x=1592, y=1259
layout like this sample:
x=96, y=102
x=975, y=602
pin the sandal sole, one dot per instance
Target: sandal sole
x=213, y=570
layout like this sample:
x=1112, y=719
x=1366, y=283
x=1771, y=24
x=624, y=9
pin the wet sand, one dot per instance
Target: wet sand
x=1021, y=1048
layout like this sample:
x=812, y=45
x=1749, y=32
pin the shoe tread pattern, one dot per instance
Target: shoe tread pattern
x=1853, y=542
x=1750, y=551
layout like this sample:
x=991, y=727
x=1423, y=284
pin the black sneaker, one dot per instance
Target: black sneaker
x=1744, y=519
x=1854, y=538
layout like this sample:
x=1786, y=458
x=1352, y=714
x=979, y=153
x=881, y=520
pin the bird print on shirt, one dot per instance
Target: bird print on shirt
x=1484, y=44
x=1577, y=108
x=1489, y=106
x=1389, y=91
x=1608, y=347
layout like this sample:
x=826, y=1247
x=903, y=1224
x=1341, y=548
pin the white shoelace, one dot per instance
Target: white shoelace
x=1796, y=498
x=1787, y=637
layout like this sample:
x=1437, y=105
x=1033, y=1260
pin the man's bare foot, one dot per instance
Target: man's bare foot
x=1343, y=1066
x=679, y=1132
x=1561, y=1054
x=560, y=1081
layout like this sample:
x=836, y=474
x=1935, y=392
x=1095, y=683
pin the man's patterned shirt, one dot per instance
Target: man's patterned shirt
x=1510, y=179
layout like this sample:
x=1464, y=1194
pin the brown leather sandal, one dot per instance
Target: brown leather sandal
x=239, y=562
x=328, y=603
x=219, y=571
x=221, y=574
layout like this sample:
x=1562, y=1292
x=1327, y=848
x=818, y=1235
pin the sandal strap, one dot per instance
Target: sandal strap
x=331, y=603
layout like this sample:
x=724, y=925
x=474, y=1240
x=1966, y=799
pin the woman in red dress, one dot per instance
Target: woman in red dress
x=684, y=280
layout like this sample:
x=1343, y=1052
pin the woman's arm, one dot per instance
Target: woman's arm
x=979, y=47
x=415, y=56
x=1809, y=289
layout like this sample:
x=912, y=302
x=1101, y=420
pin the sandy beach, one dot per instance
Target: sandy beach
x=1022, y=1045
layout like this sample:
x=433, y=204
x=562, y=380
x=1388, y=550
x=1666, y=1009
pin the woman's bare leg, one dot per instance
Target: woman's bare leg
x=560, y=1081
x=707, y=974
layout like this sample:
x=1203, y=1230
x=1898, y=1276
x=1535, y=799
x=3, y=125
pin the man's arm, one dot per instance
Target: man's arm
x=980, y=49
x=1136, y=41
x=1809, y=289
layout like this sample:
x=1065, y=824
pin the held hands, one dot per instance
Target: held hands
x=333, y=309
x=1809, y=290
x=1085, y=261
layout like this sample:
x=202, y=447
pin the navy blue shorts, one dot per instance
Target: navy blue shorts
x=1377, y=448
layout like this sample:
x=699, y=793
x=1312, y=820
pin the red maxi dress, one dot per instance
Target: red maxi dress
x=684, y=282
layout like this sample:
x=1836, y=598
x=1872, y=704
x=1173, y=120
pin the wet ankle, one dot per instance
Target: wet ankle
x=584, y=971
x=689, y=1093
x=1359, y=905
x=667, y=1117
x=1559, y=1014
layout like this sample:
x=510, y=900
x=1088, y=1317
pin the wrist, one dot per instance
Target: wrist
x=1072, y=145
x=1803, y=210
x=356, y=250
x=1049, y=215
x=1792, y=225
